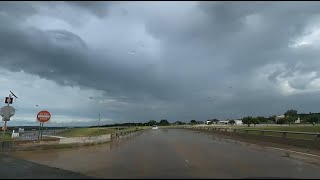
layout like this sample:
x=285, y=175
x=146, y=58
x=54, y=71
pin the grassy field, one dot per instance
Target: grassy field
x=315, y=128
x=81, y=132
x=7, y=136
x=299, y=128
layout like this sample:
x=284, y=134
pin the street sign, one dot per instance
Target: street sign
x=6, y=112
x=8, y=100
x=43, y=116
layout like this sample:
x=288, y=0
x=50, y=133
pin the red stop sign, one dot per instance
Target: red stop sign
x=43, y=116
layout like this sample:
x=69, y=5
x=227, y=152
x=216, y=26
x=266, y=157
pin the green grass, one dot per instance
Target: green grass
x=289, y=135
x=135, y=128
x=7, y=136
x=81, y=132
x=299, y=128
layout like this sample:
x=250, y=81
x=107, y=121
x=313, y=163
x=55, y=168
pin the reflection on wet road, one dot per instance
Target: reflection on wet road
x=166, y=153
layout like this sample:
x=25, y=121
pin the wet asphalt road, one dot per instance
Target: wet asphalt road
x=175, y=153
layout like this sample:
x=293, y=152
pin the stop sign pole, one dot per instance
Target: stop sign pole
x=5, y=120
x=39, y=130
x=42, y=117
x=5, y=126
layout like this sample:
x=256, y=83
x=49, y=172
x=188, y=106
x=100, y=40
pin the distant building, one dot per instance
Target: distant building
x=282, y=116
x=238, y=122
x=298, y=120
x=21, y=130
x=223, y=122
x=212, y=121
x=279, y=117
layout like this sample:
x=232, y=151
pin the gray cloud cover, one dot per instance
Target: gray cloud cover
x=152, y=60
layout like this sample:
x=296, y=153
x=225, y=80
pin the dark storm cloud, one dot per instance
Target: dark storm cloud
x=64, y=57
x=17, y=9
x=213, y=49
x=225, y=33
x=98, y=8
x=225, y=38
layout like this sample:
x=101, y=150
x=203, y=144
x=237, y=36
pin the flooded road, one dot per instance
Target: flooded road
x=177, y=153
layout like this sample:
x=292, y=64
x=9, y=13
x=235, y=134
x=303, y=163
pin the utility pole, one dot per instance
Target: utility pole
x=99, y=124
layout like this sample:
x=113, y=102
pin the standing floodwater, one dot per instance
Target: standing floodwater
x=175, y=153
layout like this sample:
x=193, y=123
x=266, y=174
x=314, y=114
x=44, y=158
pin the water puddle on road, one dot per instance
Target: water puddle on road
x=216, y=139
x=74, y=159
x=180, y=152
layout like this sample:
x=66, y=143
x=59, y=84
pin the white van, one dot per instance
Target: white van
x=154, y=127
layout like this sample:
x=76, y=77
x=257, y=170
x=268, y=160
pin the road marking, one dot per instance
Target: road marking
x=294, y=152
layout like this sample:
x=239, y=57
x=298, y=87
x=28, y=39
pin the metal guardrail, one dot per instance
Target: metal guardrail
x=292, y=132
x=259, y=131
x=117, y=135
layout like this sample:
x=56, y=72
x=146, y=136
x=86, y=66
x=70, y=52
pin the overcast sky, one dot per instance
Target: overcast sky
x=158, y=60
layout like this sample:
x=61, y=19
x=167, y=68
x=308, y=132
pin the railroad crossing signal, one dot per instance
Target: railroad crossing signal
x=8, y=100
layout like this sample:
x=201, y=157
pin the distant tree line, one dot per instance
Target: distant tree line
x=257, y=120
x=290, y=117
x=162, y=122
